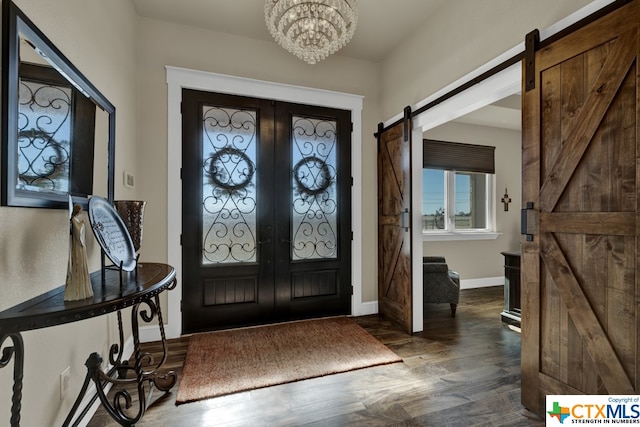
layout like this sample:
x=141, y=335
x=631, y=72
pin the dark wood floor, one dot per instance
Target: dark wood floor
x=462, y=371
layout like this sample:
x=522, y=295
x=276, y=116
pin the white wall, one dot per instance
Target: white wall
x=98, y=37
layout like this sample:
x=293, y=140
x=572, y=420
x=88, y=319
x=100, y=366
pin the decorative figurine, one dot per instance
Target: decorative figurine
x=78, y=285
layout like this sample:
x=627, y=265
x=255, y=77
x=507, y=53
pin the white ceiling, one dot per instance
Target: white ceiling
x=382, y=25
x=504, y=114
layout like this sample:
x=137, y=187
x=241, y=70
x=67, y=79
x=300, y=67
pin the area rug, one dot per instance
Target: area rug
x=225, y=362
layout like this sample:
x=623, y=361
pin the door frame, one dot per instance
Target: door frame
x=179, y=78
x=502, y=84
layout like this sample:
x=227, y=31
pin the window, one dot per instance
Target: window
x=458, y=190
x=455, y=201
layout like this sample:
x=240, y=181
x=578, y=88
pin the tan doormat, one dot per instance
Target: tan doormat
x=225, y=362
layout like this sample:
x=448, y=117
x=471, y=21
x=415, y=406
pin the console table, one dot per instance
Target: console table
x=113, y=290
x=512, y=308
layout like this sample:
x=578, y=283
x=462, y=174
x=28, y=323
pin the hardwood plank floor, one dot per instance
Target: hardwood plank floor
x=462, y=371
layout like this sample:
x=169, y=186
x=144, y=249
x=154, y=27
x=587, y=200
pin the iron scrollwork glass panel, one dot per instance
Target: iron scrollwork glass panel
x=314, y=178
x=229, y=193
x=44, y=134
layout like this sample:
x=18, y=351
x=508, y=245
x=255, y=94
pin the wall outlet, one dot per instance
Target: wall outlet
x=65, y=378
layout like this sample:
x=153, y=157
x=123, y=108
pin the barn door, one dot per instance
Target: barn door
x=394, y=232
x=580, y=293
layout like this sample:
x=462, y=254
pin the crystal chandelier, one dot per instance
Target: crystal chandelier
x=311, y=29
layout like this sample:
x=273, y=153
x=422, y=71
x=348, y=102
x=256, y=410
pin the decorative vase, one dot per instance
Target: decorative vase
x=132, y=213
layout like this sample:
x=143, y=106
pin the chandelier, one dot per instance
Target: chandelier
x=311, y=29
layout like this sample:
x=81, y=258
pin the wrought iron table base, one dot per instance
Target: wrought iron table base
x=120, y=407
x=113, y=291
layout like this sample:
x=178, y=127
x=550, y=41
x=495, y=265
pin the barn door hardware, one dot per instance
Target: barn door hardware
x=531, y=43
x=528, y=219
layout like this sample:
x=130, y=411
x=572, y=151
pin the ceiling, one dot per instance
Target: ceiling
x=382, y=25
x=504, y=114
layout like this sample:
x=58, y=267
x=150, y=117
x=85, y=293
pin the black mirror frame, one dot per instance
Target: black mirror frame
x=14, y=22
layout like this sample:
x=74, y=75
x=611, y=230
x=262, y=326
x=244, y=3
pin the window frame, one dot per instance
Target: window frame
x=450, y=232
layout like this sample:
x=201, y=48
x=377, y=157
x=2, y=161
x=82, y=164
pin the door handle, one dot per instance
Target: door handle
x=405, y=220
x=264, y=241
x=528, y=221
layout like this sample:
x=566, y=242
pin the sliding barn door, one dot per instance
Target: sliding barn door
x=394, y=232
x=580, y=293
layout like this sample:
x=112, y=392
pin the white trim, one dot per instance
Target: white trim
x=179, y=78
x=369, y=307
x=506, y=82
x=484, y=282
x=459, y=235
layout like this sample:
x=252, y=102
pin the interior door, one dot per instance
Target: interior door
x=394, y=224
x=580, y=294
x=266, y=211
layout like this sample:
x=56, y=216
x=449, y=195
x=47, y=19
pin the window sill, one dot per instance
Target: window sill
x=460, y=235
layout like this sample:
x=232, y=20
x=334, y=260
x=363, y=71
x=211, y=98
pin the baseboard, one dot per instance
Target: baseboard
x=366, y=308
x=92, y=392
x=482, y=282
x=150, y=333
x=371, y=307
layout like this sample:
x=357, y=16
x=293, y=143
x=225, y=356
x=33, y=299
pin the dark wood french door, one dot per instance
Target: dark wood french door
x=580, y=270
x=266, y=232
x=394, y=224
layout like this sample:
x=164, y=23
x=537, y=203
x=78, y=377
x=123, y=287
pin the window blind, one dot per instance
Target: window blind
x=457, y=156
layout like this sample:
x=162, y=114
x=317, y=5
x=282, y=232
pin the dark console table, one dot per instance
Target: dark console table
x=113, y=290
x=512, y=308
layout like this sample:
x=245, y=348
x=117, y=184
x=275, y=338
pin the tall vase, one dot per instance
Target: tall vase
x=132, y=213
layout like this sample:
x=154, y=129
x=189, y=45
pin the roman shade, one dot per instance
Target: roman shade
x=457, y=156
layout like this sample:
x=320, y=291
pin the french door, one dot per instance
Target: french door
x=266, y=233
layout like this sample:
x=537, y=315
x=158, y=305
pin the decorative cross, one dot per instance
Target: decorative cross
x=506, y=200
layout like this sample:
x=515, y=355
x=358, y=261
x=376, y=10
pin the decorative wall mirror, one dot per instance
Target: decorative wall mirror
x=57, y=128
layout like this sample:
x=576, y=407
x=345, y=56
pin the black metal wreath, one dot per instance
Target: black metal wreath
x=53, y=165
x=318, y=184
x=215, y=173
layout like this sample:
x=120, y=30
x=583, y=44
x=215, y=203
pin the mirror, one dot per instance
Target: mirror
x=57, y=128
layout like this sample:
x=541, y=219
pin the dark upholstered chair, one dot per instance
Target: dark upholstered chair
x=439, y=283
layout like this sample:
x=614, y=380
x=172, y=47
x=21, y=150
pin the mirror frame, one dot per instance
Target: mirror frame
x=14, y=23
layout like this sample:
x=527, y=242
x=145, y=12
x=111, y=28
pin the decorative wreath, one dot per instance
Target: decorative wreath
x=317, y=186
x=229, y=184
x=55, y=162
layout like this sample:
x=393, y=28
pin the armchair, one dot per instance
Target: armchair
x=439, y=283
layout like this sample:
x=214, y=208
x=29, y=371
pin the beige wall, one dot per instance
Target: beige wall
x=481, y=259
x=461, y=36
x=98, y=37
x=161, y=43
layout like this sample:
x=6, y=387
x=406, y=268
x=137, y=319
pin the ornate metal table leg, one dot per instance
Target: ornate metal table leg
x=17, y=352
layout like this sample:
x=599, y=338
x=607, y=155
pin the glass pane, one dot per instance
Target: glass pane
x=470, y=201
x=433, y=199
x=229, y=193
x=315, y=205
x=44, y=132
